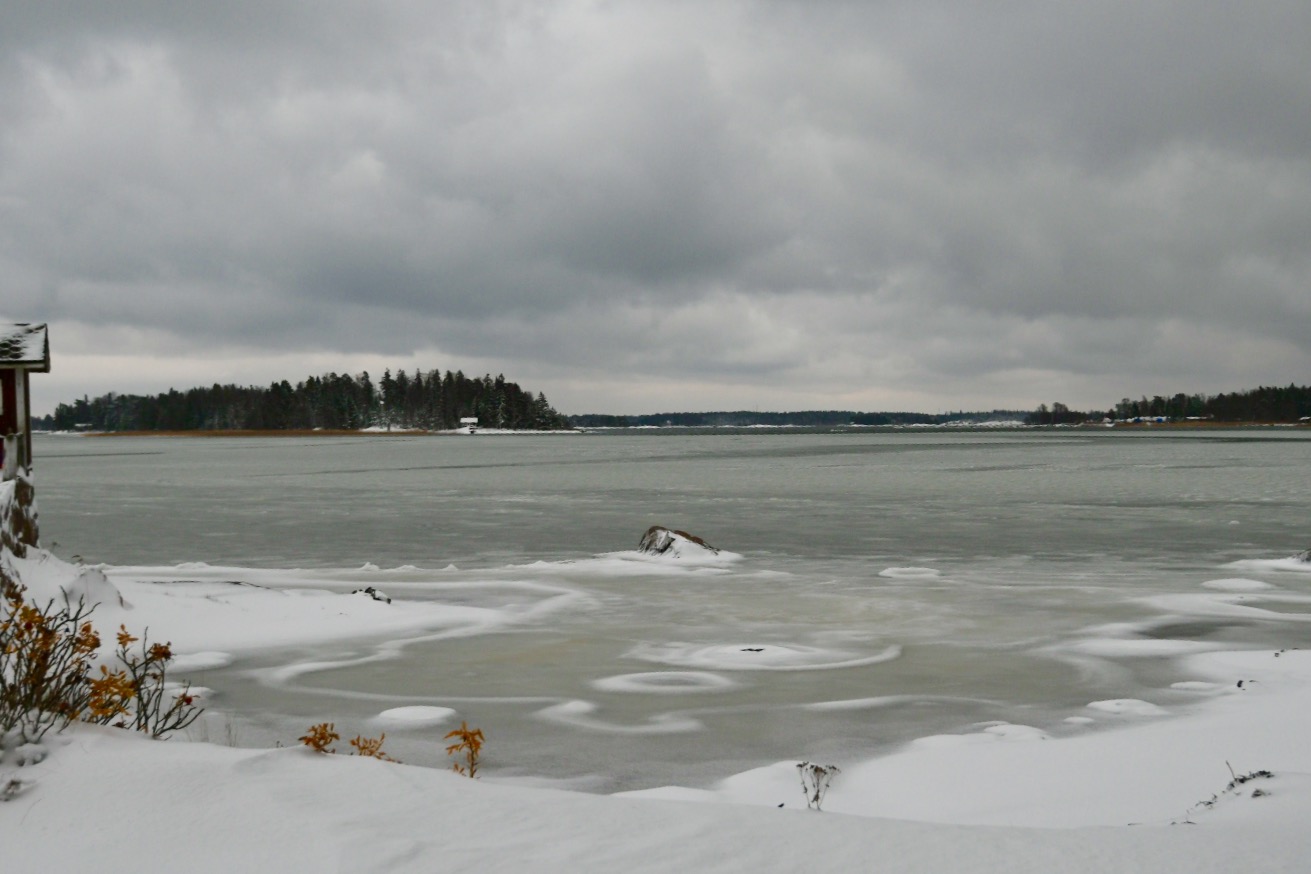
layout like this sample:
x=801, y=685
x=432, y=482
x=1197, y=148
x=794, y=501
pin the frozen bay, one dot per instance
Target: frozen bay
x=890, y=585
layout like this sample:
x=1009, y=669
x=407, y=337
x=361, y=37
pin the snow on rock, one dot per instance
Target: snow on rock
x=18, y=529
x=373, y=593
x=48, y=578
x=665, y=541
x=92, y=586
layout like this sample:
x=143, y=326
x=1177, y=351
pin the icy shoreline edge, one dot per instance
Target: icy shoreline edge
x=1148, y=796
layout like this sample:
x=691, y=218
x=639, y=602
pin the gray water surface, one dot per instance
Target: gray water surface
x=1020, y=545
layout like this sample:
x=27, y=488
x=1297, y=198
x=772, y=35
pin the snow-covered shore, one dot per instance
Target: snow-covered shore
x=1148, y=796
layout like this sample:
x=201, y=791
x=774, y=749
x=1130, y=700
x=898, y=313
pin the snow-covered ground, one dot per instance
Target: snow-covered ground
x=1148, y=796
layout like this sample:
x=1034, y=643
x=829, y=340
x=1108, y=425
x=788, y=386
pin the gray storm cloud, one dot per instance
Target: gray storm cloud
x=872, y=205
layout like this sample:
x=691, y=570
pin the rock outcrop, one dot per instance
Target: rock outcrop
x=659, y=540
x=373, y=593
x=18, y=529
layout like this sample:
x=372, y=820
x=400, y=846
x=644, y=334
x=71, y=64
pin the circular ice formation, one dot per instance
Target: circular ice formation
x=664, y=682
x=579, y=715
x=200, y=661
x=417, y=716
x=758, y=657
x=910, y=573
x=1128, y=707
x=1236, y=585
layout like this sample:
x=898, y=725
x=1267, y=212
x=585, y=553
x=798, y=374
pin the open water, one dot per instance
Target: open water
x=892, y=585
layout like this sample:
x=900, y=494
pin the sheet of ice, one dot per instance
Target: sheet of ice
x=200, y=661
x=636, y=563
x=289, y=809
x=664, y=682
x=757, y=656
x=1239, y=605
x=1295, y=563
x=910, y=573
x=579, y=714
x=1237, y=584
x=210, y=610
x=1151, y=772
x=1143, y=647
x=1127, y=707
x=989, y=734
x=886, y=701
x=417, y=716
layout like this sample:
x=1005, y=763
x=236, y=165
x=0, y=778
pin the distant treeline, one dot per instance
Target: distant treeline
x=809, y=418
x=1264, y=404
x=432, y=401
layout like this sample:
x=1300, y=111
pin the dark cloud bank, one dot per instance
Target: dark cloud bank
x=665, y=205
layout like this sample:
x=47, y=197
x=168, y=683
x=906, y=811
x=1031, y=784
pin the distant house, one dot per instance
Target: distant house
x=24, y=349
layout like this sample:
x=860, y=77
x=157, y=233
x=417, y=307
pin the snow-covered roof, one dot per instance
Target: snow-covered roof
x=24, y=346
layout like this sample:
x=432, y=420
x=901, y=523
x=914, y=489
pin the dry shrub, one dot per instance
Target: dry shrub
x=371, y=747
x=815, y=780
x=136, y=696
x=470, y=744
x=45, y=664
x=320, y=736
x=46, y=679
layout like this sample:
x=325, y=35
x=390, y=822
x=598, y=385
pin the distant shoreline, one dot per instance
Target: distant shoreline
x=963, y=426
x=1201, y=425
x=268, y=433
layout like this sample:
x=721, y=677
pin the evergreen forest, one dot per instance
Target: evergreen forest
x=436, y=401
x=432, y=401
x=800, y=419
x=1265, y=404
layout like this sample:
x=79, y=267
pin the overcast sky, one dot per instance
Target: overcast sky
x=662, y=205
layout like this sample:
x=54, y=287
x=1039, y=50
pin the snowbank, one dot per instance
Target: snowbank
x=112, y=801
x=1005, y=797
x=1149, y=770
